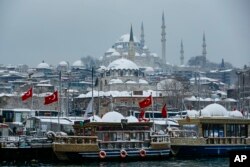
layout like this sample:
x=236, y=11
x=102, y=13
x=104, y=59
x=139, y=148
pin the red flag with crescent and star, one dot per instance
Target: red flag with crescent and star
x=51, y=98
x=146, y=102
x=27, y=94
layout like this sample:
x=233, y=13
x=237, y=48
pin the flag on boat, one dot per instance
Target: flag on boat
x=164, y=111
x=27, y=94
x=51, y=98
x=146, y=102
x=89, y=109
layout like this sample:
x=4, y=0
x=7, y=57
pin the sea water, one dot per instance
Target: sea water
x=171, y=162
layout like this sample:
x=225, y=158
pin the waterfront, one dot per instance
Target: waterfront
x=173, y=162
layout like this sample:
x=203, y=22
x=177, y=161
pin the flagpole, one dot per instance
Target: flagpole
x=152, y=104
x=59, y=100
x=93, y=92
x=32, y=101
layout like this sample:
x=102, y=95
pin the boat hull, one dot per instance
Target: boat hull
x=131, y=154
x=207, y=150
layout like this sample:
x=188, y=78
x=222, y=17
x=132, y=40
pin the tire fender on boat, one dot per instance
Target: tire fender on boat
x=142, y=153
x=123, y=153
x=102, y=154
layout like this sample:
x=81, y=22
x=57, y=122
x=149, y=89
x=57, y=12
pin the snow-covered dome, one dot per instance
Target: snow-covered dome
x=125, y=38
x=122, y=63
x=95, y=119
x=110, y=50
x=115, y=54
x=78, y=63
x=235, y=113
x=101, y=69
x=63, y=63
x=115, y=81
x=215, y=110
x=142, y=81
x=132, y=118
x=112, y=116
x=131, y=82
x=192, y=113
x=43, y=65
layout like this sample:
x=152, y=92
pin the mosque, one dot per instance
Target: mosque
x=128, y=46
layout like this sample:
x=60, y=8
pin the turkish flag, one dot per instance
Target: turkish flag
x=27, y=94
x=146, y=102
x=164, y=111
x=51, y=98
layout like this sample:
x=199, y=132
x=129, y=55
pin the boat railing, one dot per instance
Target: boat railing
x=160, y=138
x=76, y=139
x=226, y=140
x=182, y=133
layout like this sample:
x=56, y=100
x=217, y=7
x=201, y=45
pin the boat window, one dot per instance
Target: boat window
x=234, y=130
x=213, y=130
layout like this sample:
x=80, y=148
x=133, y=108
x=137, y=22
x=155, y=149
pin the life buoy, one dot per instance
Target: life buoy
x=102, y=154
x=123, y=153
x=142, y=153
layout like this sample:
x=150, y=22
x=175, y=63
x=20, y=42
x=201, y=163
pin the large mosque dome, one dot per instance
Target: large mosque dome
x=122, y=64
x=126, y=37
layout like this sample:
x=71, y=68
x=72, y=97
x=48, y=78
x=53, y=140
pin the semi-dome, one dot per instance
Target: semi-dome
x=122, y=64
x=43, y=65
x=115, y=54
x=216, y=110
x=112, y=116
x=132, y=118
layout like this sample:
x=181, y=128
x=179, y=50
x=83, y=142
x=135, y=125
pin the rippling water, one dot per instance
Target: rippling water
x=172, y=162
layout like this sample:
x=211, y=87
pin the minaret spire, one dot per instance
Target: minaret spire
x=182, y=54
x=163, y=39
x=142, y=36
x=204, y=49
x=131, y=49
x=131, y=37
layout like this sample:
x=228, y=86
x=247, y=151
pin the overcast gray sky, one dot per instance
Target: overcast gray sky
x=54, y=30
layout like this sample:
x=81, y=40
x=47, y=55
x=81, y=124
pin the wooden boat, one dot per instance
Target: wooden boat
x=112, y=140
x=211, y=135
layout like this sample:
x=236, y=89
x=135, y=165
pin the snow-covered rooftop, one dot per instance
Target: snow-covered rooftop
x=112, y=116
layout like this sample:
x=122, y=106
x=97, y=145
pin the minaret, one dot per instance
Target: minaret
x=142, y=36
x=182, y=54
x=131, y=49
x=204, y=50
x=163, y=39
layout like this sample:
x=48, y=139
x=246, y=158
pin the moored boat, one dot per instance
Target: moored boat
x=112, y=140
x=216, y=132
